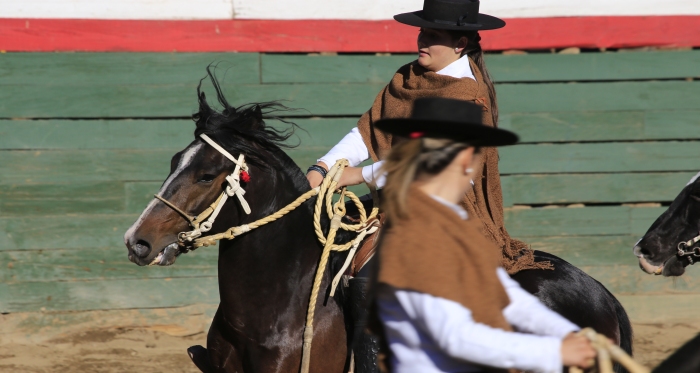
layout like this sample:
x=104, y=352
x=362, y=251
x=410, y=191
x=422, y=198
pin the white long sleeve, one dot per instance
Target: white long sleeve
x=353, y=148
x=431, y=334
x=527, y=314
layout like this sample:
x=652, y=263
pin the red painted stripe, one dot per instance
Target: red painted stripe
x=43, y=35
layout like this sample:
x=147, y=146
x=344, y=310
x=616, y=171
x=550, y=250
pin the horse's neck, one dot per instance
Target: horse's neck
x=267, y=270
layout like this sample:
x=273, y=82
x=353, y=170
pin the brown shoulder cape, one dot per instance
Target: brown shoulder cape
x=434, y=251
x=485, y=200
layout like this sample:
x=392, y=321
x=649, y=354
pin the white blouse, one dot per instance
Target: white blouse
x=352, y=148
x=429, y=334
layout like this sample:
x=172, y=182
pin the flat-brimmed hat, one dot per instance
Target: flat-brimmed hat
x=451, y=15
x=444, y=118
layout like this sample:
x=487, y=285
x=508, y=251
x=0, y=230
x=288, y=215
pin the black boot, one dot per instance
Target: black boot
x=365, y=345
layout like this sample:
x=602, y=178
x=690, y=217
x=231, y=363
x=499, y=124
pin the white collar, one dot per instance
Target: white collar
x=459, y=210
x=458, y=69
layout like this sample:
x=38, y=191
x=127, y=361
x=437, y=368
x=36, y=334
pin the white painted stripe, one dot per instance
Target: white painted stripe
x=325, y=9
x=185, y=161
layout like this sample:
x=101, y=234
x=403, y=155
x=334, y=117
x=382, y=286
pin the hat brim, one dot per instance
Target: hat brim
x=484, y=22
x=471, y=133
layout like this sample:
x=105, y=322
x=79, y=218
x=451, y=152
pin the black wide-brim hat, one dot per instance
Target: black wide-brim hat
x=451, y=15
x=443, y=118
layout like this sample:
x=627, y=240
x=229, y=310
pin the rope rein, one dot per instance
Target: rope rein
x=607, y=353
x=193, y=239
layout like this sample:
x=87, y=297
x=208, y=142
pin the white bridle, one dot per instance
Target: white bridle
x=210, y=213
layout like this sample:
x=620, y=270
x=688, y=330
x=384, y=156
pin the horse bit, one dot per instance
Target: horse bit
x=694, y=252
x=199, y=226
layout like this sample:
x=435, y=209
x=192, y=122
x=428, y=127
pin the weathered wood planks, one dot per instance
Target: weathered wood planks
x=280, y=68
x=600, y=131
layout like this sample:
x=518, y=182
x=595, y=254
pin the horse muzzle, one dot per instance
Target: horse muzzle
x=140, y=253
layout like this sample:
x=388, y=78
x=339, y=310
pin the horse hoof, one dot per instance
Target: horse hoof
x=200, y=358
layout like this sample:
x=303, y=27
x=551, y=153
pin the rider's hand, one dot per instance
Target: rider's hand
x=576, y=351
x=315, y=178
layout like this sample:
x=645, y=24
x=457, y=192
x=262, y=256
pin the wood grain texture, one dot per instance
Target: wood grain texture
x=587, y=251
x=281, y=68
x=98, y=264
x=593, y=188
x=64, y=231
x=581, y=221
x=600, y=157
x=56, y=166
x=106, y=295
x=604, y=126
x=173, y=134
x=179, y=100
x=114, y=69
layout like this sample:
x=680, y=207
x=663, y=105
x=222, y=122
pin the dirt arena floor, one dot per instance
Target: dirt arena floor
x=149, y=351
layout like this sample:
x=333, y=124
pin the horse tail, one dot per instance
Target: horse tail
x=626, y=333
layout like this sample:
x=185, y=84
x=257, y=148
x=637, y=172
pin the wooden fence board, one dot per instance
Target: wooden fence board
x=600, y=157
x=326, y=132
x=116, y=69
x=280, y=68
x=66, y=198
x=173, y=100
x=59, y=166
x=604, y=126
x=119, y=197
x=107, y=295
x=98, y=264
x=284, y=68
x=63, y=231
x=179, y=100
x=145, y=133
x=593, y=188
x=581, y=221
x=617, y=96
x=95, y=134
x=587, y=250
x=89, y=231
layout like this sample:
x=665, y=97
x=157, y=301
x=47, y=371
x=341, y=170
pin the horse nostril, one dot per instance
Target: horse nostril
x=142, y=248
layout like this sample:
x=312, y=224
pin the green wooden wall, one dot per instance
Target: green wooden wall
x=86, y=138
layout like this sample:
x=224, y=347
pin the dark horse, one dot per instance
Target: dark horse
x=265, y=275
x=668, y=247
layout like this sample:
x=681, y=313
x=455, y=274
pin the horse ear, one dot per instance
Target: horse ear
x=258, y=115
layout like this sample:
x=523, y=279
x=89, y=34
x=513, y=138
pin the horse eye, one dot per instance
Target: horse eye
x=207, y=178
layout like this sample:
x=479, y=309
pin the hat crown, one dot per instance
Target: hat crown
x=451, y=12
x=447, y=110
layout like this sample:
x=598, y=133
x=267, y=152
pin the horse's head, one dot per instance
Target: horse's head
x=668, y=247
x=232, y=153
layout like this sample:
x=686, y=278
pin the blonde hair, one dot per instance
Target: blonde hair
x=407, y=161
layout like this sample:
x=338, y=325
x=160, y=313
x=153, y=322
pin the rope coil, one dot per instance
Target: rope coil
x=607, y=353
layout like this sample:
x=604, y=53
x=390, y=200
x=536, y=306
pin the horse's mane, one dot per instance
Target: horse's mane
x=228, y=125
x=231, y=124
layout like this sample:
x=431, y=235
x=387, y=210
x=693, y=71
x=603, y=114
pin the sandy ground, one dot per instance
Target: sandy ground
x=145, y=351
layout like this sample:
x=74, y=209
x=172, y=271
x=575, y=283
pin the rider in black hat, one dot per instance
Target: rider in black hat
x=445, y=302
x=450, y=64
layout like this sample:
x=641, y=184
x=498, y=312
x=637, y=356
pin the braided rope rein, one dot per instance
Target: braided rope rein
x=607, y=353
x=335, y=211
